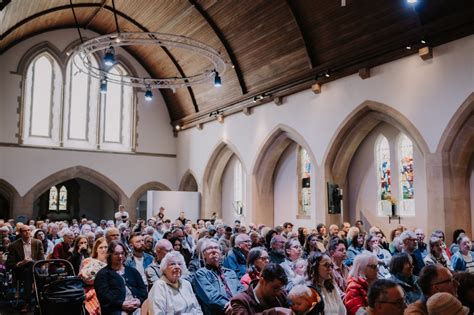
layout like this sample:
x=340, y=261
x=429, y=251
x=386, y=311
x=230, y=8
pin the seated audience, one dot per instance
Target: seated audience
x=62, y=249
x=436, y=254
x=337, y=251
x=454, y=247
x=433, y=278
x=277, y=249
x=410, y=246
x=362, y=275
x=88, y=271
x=236, y=258
x=305, y=300
x=444, y=303
x=120, y=289
x=257, y=259
x=153, y=271
x=385, y=297
x=265, y=295
x=112, y=234
x=215, y=285
x=80, y=251
x=139, y=259
x=224, y=240
x=401, y=270
x=356, y=248
x=463, y=260
x=312, y=244
x=372, y=245
x=466, y=289
x=197, y=261
x=422, y=247
x=320, y=277
x=47, y=244
x=293, y=252
x=171, y=294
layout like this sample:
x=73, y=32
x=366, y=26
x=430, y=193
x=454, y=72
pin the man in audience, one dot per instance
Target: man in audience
x=277, y=249
x=121, y=216
x=287, y=227
x=333, y=230
x=112, y=234
x=215, y=285
x=433, y=279
x=360, y=225
x=321, y=229
x=21, y=255
x=139, y=260
x=265, y=294
x=149, y=244
x=422, y=246
x=237, y=257
x=158, y=234
x=153, y=271
x=337, y=250
x=385, y=297
x=224, y=241
x=63, y=250
x=236, y=226
x=410, y=246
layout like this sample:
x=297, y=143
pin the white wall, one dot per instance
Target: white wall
x=285, y=185
x=23, y=168
x=363, y=182
x=228, y=188
x=427, y=93
x=174, y=202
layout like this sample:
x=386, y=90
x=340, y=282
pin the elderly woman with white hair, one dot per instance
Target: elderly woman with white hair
x=171, y=294
x=362, y=275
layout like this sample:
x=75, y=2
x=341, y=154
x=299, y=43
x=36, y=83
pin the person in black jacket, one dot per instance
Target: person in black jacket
x=119, y=288
x=79, y=253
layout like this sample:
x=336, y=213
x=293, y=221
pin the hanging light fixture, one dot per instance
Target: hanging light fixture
x=217, y=80
x=103, y=85
x=148, y=94
x=109, y=57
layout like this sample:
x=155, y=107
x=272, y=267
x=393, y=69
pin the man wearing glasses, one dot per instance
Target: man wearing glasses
x=433, y=279
x=237, y=257
x=385, y=297
x=410, y=246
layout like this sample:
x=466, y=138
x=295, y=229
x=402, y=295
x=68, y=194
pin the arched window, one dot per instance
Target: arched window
x=80, y=107
x=407, y=192
x=42, y=97
x=382, y=151
x=53, y=199
x=239, y=187
x=304, y=183
x=63, y=199
x=116, y=114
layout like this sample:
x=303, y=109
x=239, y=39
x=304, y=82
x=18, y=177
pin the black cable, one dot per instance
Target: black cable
x=115, y=16
x=75, y=19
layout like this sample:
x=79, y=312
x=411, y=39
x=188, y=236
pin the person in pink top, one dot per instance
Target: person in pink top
x=257, y=259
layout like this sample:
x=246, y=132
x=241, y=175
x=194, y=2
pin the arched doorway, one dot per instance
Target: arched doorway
x=355, y=162
x=283, y=179
x=8, y=198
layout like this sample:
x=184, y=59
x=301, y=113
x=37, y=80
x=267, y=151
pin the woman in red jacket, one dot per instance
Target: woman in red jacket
x=363, y=273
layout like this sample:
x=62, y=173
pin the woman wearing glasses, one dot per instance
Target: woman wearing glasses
x=320, y=278
x=362, y=275
x=256, y=260
x=401, y=269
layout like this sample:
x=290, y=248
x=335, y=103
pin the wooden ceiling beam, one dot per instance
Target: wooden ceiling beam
x=225, y=43
x=94, y=15
x=310, y=54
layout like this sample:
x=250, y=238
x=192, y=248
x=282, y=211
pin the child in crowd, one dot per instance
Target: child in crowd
x=305, y=300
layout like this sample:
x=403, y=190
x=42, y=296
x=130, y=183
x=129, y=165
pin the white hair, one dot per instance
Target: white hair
x=176, y=257
x=300, y=291
x=208, y=242
x=241, y=238
x=360, y=263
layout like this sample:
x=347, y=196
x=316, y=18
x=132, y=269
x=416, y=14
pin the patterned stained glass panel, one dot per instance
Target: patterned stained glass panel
x=384, y=176
x=63, y=198
x=305, y=182
x=407, y=191
x=53, y=198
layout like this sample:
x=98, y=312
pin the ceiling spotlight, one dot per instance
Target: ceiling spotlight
x=103, y=86
x=109, y=57
x=257, y=98
x=217, y=79
x=411, y=1
x=408, y=47
x=148, y=94
x=327, y=75
x=177, y=127
x=423, y=41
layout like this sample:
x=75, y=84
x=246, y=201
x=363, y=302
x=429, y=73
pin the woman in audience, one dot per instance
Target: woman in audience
x=401, y=269
x=466, y=289
x=356, y=248
x=47, y=244
x=372, y=246
x=178, y=246
x=89, y=269
x=293, y=252
x=436, y=254
x=463, y=260
x=363, y=273
x=440, y=234
x=320, y=278
x=171, y=294
x=119, y=288
x=80, y=251
x=257, y=258
x=312, y=245
x=454, y=247
x=393, y=235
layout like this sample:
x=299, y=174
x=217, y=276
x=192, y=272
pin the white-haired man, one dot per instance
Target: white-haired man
x=237, y=257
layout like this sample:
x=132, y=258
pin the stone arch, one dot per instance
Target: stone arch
x=212, y=190
x=11, y=194
x=188, y=182
x=90, y=175
x=37, y=49
x=269, y=154
x=133, y=200
x=456, y=149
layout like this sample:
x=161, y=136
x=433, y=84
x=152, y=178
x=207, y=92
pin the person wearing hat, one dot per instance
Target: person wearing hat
x=445, y=303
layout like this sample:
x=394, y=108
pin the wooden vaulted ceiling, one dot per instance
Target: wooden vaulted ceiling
x=276, y=46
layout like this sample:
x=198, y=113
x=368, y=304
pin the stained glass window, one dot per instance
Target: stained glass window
x=407, y=192
x=304, y=176
x=63, y=198
x=384, y=178
x=53, y=198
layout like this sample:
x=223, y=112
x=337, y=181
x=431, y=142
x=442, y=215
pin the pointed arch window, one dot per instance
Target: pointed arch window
x=53, y=199
x=384, y=191
x=80, y=106
x=239, y=187
x=42, y=97
x=407, y=176
x=63, y=199
x=116, y=114
x=304, y=183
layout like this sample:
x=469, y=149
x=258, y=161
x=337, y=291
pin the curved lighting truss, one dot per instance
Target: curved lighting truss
x=102, y=43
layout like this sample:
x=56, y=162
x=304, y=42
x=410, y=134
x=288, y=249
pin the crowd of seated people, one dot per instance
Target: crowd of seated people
x=160, y=266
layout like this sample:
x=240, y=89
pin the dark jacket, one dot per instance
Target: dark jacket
x=210, y=289
x=245, y=303
x=16, y=253
x=409, y=286
x=110, y=289
x=418, y=262
x=276, y=257
x=236, y=261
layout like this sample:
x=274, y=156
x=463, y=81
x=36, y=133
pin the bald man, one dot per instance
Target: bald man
x=153, y=272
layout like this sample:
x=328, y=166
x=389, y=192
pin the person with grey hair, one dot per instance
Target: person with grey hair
x=153, y=271
x=237, y=256
x=215, y=285
x=277, y=249
x=171, y=294
x=63, y=250
x=410, y=246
